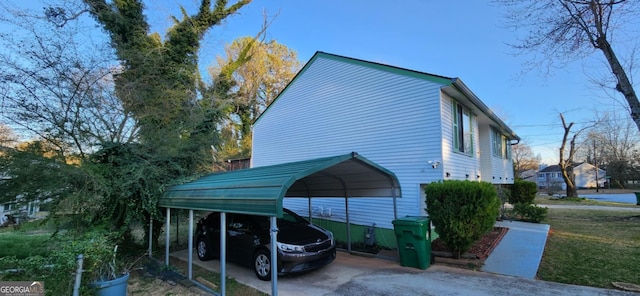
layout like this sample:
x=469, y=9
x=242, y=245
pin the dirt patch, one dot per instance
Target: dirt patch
x=152, y=277
x=476, y=256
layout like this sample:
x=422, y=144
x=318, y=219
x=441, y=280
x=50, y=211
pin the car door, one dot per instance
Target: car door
x=241, y=238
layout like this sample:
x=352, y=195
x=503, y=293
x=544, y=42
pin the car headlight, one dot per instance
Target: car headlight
x=290, y=248
x=331, y=237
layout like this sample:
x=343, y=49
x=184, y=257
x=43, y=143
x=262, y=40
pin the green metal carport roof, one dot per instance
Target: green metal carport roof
x=260, y=190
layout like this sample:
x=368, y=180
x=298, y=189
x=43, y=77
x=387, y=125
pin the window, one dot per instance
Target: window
x=500, y=145
x=462, y=131
x=496, y=138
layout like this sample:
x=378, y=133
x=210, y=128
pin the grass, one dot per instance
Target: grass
x=546, y=200
x=33, y=239
x=592, y=248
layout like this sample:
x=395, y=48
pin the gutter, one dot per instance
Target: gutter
x=462, y=88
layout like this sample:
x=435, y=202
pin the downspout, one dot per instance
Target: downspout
x=393, y=195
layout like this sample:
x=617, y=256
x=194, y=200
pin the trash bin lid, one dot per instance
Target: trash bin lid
x=411, y=220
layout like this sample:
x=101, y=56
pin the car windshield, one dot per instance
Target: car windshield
x=290, y=218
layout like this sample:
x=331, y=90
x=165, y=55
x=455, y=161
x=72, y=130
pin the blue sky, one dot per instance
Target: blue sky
x=454, y=38
x=457, y=38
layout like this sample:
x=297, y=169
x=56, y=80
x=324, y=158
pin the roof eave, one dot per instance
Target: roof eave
x=461, y=87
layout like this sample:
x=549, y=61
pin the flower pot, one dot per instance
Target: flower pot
x=117, y=287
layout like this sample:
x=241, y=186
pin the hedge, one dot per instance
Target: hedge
x=462, y=211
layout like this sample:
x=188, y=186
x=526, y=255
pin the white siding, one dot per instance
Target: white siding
x=585, y=176
x=337, y=107
x=486, y=154
x=459, y=166
x=495, y=169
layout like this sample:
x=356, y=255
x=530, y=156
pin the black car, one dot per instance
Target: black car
x=301, y=246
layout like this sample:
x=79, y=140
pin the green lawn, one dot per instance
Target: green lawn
x=546, y=200
x=23, y=245
x=592, y=248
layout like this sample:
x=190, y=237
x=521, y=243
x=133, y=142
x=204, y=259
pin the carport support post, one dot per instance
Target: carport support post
x=166, y=230
x=150, y=234
x=310, y=215
x=190, y=272
x=274, y=256
x=346, y=206
x=223, y=253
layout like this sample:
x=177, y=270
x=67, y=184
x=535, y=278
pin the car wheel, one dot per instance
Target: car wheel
x=202, y=248
x=262, y=265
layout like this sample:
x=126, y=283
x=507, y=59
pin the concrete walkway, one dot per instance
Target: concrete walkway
x=520, y=251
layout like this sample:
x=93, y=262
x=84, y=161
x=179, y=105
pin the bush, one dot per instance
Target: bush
x=529, y=212
x=462, y=211
x=523, y=192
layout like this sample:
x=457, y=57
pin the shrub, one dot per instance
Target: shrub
x=462, y=211
x=523, y=192
x=529, y=212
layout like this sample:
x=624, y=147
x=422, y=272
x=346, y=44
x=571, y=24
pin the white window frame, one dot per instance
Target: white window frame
x=462, y=129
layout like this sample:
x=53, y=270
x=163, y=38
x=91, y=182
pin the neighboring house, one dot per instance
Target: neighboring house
x=16, y=208
x=529, y=175
x=584, y=176
x=422, y=127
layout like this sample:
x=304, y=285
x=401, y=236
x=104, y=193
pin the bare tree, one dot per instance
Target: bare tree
x=523, y=158
x=57, y=85
x=572, y=29
x=567, y=162
x=612, y=144
x=7, y=137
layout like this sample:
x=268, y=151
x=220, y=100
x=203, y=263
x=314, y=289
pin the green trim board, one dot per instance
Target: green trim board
x=259, y=191
x=384, y=237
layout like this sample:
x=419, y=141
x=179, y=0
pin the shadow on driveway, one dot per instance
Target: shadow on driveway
x=356, y=275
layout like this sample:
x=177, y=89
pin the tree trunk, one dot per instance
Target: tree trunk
x=569, y=180
x=566, y=165
x=623, y=86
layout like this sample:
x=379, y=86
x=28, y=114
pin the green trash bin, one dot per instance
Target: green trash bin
x=637, y=198
x=414, y=241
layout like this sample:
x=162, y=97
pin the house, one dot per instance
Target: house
x=585, y=176
x=529, y=175
x=422, y=127
x=17, y=208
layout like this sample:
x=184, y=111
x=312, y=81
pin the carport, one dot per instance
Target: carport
x=259, y=191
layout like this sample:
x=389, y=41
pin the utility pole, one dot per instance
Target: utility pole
x=595, y=164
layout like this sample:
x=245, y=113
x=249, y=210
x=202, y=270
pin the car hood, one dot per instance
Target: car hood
x=302, y=234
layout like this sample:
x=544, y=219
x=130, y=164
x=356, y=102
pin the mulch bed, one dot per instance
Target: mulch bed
x=476, y=255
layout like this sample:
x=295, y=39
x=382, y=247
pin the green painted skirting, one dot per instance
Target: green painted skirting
x=384, y=237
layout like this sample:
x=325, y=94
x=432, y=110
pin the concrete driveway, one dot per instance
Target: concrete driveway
x=356, y=275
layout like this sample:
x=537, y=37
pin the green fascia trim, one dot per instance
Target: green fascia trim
x=445, y=81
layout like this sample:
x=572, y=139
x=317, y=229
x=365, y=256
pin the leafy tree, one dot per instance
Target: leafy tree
x=158, y=85
x=259, y=72
x=123, y=124
x=566, y=30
